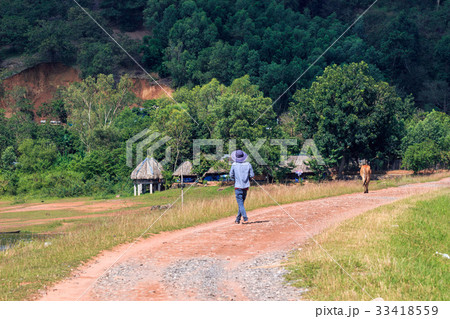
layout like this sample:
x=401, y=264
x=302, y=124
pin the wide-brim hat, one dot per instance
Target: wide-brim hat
x=239, y=156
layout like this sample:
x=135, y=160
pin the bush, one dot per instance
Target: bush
x=421, y=156
x=37, y=155
x=435, y=126
x=63, y=184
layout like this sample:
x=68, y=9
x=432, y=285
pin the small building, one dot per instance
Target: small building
x=299, y=165
x=218, y=173
x=185, y=170
x=148, y=174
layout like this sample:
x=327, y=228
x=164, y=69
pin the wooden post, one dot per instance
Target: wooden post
x=139, y=189
x=135, y=189
x=151, y=188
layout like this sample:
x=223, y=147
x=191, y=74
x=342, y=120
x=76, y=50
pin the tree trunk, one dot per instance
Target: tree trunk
x=341, y=167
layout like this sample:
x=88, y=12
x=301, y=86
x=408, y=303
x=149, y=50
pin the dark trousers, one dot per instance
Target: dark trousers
x=241, y=194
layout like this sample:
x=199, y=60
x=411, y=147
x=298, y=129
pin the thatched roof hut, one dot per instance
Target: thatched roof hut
x=298, y=162
x=215, y=172
x=220, y=167
x=148, y=169
x=148, y=172
x=186, y=169
x=218, y=170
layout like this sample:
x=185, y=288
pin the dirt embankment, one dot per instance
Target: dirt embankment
x=146, y=89
x=43, y=80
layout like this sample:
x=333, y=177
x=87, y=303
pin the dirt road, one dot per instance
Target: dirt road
x=220, y=260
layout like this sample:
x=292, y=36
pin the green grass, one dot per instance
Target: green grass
x=44, y=228
x=43, y=214
x=390, y=251
x=29, y=267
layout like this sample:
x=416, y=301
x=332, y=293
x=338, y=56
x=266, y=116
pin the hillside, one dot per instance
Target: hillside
x=43, y=80
x=404, y=42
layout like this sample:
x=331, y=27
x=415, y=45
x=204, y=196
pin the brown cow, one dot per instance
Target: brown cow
x=365, y=175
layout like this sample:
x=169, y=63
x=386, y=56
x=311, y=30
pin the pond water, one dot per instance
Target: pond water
x=8, y=241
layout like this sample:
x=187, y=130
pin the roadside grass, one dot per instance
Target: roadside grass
x=31, y=266
x=407, y=179
x=390, y=251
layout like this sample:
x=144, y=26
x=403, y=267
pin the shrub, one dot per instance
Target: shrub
x=421, y=156
x=63, y=184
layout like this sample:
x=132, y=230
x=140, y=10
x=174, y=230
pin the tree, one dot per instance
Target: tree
x=6, y=134
x=8, y=158
x=436, y=94
x=127, y=14
x=230, y=112
x=152, y=50
x=94, y=104
x=319, y=170
x=421, y=156
x=95, y=58
x=20, y=124
x=201, y=169
x=55, y=109
x=104, y=163
x=51, y=40
x=289, y=125
x=350, y=115
x=227, y=39
x=13, y=31
x=17, y=99
x=64, y=139
x=238, y=112
x=37, y=156
x=435, y=127
x=173, y=121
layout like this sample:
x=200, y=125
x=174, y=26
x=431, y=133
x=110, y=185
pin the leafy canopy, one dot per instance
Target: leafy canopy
x=94, y=104
x=350, y=115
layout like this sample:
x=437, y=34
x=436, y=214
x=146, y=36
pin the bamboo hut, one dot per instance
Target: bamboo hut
x=185, y=172
x=147, y=174
x=299, y=163
x=215, y=173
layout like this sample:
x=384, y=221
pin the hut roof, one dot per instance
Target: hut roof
x=223, y=167
x=185, y=168
x=298, y=162
x=148, y=169
x=219, y=170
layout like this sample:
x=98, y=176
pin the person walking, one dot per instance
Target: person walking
x=241, y=172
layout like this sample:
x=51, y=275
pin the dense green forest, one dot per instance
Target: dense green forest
x=404, y=42
x=380, y=93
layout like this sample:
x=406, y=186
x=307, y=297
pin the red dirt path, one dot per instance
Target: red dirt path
x=233, y=245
